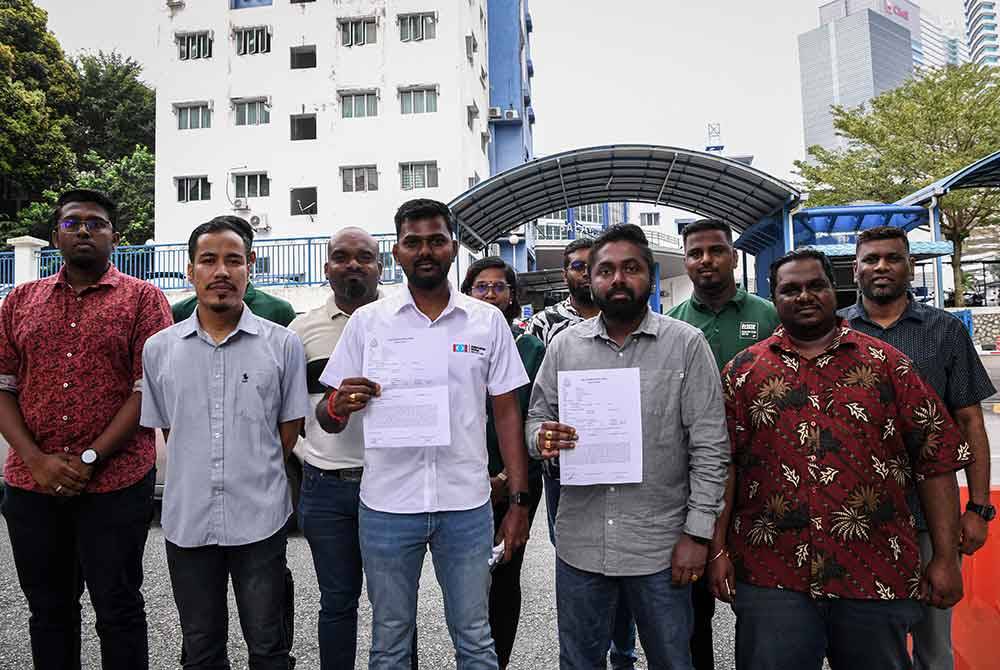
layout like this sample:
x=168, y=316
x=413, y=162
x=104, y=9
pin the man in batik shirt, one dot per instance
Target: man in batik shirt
x=828, y=426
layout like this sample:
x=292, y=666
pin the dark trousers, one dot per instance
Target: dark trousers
x=505, y=587
x=62, y=544
x=328, y=516
x=702, y=649
x=622, y=649
x=778, y=629
x=200, y=577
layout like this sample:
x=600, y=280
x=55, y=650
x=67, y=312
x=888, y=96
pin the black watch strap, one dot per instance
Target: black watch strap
x=699, y=540
x=520, y=498
x=988, y=512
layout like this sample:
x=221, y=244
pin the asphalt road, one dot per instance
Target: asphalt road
x=537, y=645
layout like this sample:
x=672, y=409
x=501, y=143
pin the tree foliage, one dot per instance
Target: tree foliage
x=128, y=181
x=117, y=110
x=908, y=138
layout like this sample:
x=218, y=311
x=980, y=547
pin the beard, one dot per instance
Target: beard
x=353, y=288
x=426, y=282
x=581, y=294
x=883, y=295
x=623, y=311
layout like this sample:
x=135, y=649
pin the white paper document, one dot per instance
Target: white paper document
x=411, y=366
x=604, y=407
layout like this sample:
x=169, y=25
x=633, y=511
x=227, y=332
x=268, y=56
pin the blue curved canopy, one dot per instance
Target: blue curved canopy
x=984, y=173
x=833, y=225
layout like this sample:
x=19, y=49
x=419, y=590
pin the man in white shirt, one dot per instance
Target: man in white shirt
x=437, y=496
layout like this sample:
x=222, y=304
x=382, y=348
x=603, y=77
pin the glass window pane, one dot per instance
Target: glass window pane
x=347, y=106
x=418, y=102
x=406, y=100
x=370, y=32
x=432, y=101
x=404, y=30
x=181, y=191
x=432, y=175
x=206, y=189
x=193, y=189
x=241, y=186
x=265, y=186
x=195, y=121
x=359, y=179
x=345, y=34
x=208, y=47
x=358, y=33
x=430, y=30
x=348, y=180
x=206, y=117
x=414, y=22
x=182, y=49
x=193, y=49
x=372, y=179
x=264, y=113
x=252, y=191
x=241, y=114
x=372, y=104
x=359, y=106
x=182, y=118
x=406, y=174
x=252, y=114
x=419, y=176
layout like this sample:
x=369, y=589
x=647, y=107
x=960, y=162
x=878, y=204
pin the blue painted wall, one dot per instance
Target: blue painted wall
x=510, y=85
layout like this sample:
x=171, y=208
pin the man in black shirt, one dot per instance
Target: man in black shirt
x=939, y=345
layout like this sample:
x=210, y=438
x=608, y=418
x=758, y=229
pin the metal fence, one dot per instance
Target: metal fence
x=292, y=261
x=6, y=272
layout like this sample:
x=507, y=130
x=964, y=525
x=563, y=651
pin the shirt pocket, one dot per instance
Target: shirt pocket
x=258, y=394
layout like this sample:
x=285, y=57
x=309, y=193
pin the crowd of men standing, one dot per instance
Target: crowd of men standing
x=797, y=463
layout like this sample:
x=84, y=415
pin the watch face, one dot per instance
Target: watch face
x=89, y=457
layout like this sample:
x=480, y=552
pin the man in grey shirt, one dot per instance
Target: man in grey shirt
x=646, y=542
x=229, y=391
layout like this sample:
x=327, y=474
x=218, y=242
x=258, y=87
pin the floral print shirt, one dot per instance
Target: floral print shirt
x=824, y=452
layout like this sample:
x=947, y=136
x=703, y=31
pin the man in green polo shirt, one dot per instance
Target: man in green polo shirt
x=731, y=320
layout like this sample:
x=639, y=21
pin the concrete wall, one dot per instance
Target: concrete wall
x=985, y=325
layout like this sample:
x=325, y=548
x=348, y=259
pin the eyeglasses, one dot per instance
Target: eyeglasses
x=578, y=266
x=70, y=224
x=482, y=288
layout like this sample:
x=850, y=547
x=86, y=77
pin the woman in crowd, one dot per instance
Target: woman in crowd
x=492, y=280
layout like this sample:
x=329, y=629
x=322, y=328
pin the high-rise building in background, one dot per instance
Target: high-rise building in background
x=305, y=116
x=981, y=31
x=864, y=48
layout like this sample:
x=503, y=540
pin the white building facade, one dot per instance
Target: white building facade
x=305, y=116
x=981, y=31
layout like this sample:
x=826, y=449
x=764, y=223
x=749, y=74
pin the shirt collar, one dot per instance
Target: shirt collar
x=914, y=310
x=456, y=300
x=846, y=337
x=248, y=323
x=595, y=327
x=737, y=300
x=333, y=311
x=111, y=277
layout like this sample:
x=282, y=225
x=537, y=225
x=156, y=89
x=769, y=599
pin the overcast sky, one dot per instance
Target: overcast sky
x=649, y=71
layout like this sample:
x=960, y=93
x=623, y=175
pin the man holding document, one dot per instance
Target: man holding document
x=418, y=366
x=631, y=401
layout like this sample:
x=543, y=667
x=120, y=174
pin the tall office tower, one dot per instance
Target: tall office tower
x=981, y=31
x=942, y=43
x=304, y=116
x=857, y=53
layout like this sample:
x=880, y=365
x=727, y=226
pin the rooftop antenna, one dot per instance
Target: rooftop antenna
x=714, y=144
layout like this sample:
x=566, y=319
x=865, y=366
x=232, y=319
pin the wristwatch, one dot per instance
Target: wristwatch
x=89, y=457
x=700, y=540
x=987, y=511
x=520, y=498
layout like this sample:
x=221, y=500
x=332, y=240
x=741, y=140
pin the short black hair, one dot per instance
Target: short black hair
x=802, y=255
x=702, y=225
x=85, y=195
x=219, y=224
x=494, y=262
x=882, y=233
x=624, y=232
x=423, y=208
x=574, y=246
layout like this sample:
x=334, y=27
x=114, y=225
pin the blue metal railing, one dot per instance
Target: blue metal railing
x=292, y=261
x=6, y=272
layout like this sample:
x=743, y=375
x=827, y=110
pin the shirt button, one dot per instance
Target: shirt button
x=66, y=449
x=218, y=435
x=72, y=325
x=611, y=488
x=69, y=354
x=79, y=299
x=65, y=385
x=65, y=418
x=620, y=354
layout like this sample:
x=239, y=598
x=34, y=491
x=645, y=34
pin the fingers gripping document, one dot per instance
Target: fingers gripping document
x=411, y=366
x=605, y=408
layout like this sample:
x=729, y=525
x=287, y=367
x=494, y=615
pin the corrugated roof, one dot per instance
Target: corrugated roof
x=984, y=173
x=705, y=184
x=919, y=249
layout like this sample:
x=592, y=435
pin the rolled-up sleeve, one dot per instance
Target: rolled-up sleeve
x=544, y=405
x=294, y=392
x=704, y=419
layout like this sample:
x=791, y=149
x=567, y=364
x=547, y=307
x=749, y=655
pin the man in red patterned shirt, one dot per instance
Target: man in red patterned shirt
x=828, y=426
x=80, y=471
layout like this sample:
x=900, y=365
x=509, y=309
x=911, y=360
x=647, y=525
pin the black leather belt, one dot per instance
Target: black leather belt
x=343, y=474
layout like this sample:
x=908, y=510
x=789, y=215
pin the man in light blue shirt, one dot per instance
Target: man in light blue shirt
x=229, y=391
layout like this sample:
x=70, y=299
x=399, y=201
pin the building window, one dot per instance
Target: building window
x=418, y=175
x=303, y=57
x=418, y=101
x=256, y=185
x=471, y=114
x=362, y=178
x=252, y=112
x=357, y=32
x=191, y=46
x=304, y=201
x=484, y=140
x=304, y=127
x=417, y=27
x=251, y=41
x=192, y=117
x=246, y=4
x=649, y=219
x=471, y=46
x=474, y=179
x=589, y=213
x=190, y=189
x=357, y=105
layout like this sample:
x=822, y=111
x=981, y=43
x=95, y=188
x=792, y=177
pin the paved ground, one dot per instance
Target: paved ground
x=537, y=645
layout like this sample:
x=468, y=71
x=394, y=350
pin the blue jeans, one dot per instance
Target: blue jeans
x=392, y=550
x=623, y=654
x=778, y=629
x=586, y=601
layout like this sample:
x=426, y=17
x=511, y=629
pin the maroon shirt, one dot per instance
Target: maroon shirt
x=824, y=452
x=74, y=361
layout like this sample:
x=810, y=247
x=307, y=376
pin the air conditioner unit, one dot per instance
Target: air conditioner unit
x=175, y=4
x=496, y=113
x=259, y=222
x=240, y=204
x=511, y=115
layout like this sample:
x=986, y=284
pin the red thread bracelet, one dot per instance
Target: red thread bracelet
x=329, y=409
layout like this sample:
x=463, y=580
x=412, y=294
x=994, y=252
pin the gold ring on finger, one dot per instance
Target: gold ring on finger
x=548, y=445
x=59, y=488
x=354, y=397
x=548, y=435
x=694, y=578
